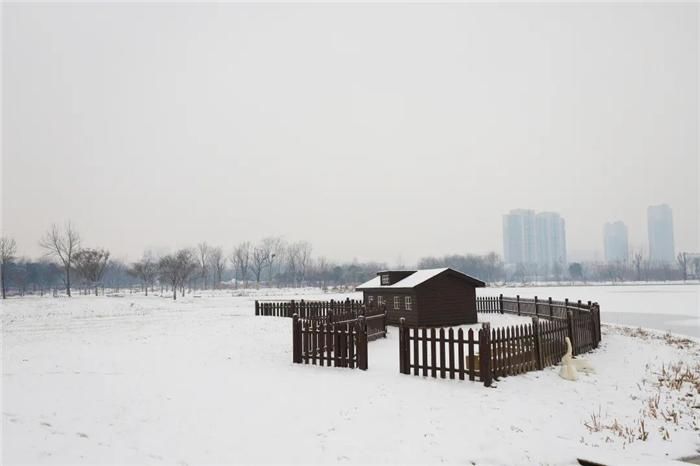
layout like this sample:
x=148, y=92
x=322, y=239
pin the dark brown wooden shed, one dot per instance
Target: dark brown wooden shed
x=431, y=297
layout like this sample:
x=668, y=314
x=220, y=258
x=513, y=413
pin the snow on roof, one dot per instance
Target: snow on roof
x=373, y=283
x=412, y=280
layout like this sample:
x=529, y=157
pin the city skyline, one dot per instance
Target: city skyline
x=534, y=238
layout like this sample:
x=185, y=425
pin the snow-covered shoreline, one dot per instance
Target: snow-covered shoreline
x=201, y=380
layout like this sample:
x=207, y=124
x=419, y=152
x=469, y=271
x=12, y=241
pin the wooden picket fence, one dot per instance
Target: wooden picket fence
x=583, y=319
x=491, y=353
x=320, y=310
x=431, y=351
x=338, y=344
x=328, y=312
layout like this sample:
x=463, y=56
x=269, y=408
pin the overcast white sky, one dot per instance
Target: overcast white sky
x=372, y=131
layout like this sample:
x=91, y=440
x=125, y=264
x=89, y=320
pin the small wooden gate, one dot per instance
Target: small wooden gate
x=338, y=344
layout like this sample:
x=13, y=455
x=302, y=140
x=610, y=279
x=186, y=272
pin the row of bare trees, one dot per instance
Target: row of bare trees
x=639, y=268
x=275, y=262
x=271, y=259
x=63, y=245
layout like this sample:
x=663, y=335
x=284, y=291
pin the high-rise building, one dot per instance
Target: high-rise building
x=534, y=239
x=615, y=242
x=519, y=246
x=660, y=225
x=551, y=239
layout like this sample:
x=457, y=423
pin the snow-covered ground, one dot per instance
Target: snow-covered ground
x=137, y=379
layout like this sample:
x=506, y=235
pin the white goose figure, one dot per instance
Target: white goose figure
x=570, y=366
x=568, y=370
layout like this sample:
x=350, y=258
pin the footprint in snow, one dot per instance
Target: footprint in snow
x=45, y=424
x=80, y=434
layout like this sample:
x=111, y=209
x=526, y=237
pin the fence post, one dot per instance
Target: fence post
x=538, y=342
x=517, y=301
x=362, y=344
x=403, y=346
x=595, y=313
x=257, y=308
x=386, y=317
x=593, y=327
x=296, y=339
x=570, y=330
x=292, y=309
x=551, y=312
x=536, y=313
x=485, y=354
x=500, y=302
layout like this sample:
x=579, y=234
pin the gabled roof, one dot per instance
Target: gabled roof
x=418, y=277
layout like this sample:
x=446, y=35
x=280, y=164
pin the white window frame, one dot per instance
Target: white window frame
x=385, y=279
x=370, y=299
x=408, y=303
x=380, y=300
x=397, y=303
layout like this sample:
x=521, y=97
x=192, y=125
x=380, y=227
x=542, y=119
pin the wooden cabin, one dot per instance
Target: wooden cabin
x=432, y=297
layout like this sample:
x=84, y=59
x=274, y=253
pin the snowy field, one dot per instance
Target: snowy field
x=137, y=379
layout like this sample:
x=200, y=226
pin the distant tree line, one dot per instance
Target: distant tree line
x=273, y=262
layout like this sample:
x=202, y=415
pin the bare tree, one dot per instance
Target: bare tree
x=696, y=267
x=637, y=260
x=304, y=258
x=177, y=268
x=8, y=249
x=62, y=245
x=292, y=257
x=90, y=265
x=323, y=268
x=683, y=263
x=217, y=264
x=203, y=258
x=114, y=273
x=145, y=270
x=240, y=259
x=273, y=247
x=259, y=260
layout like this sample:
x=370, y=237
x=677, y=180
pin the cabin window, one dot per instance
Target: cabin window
x=380, y=300
x=397, y=302
x=370, y=299
x=408, y=303
x=385, y=279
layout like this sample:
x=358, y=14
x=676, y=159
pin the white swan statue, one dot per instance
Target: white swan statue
x=570, y=366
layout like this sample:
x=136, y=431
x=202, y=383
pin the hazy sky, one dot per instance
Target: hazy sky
x=372, y=131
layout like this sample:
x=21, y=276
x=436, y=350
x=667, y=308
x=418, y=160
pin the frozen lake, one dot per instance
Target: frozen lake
x=672, y=308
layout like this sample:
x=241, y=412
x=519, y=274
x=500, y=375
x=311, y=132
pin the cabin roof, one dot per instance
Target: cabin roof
x=416, y=278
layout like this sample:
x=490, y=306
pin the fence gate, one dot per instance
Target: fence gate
x=337, y=344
